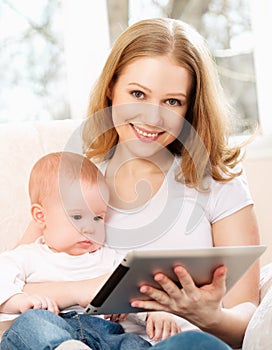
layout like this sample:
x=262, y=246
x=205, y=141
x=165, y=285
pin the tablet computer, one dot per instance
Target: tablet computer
x=138, y=267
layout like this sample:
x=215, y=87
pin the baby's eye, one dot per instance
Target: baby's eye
x=173, y=102
x=98, y=217
x=138, y=94
x=77, y=217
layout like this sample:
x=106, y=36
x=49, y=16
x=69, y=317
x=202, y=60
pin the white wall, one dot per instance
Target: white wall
x=258, y=163
x=259, y=173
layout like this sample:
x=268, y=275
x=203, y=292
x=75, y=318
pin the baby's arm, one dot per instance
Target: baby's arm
x=21, y=302
x=13, y=276
x=76, y=292
x=161, y=325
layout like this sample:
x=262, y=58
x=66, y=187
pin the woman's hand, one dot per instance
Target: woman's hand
x=200, y=306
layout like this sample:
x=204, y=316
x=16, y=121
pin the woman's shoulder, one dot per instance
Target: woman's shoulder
x=234, y=182
x=210, y=184
x=221, y=198
x=230, y=196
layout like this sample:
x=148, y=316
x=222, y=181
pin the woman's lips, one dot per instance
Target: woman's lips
x=145, y=135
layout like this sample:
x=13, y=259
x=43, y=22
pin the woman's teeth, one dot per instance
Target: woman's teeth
x=146, y=134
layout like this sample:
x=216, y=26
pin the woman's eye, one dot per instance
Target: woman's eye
x=97, y=218
x=173, y=102
x=138, y=94
x=77, y=217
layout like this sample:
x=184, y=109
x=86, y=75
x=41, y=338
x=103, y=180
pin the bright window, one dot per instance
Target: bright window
x=226, y=26
x=33, y=82
x=51, y=52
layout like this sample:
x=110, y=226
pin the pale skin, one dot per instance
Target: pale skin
x=70, y=224
x=20, y=303
x=159, y=326
x=160, y=82
x=75, y=230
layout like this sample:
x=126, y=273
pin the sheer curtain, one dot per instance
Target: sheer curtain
x=86, y=41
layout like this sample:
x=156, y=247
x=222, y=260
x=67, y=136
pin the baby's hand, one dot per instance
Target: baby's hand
x=116, y=317
x=160, y=325
x=39, y=302
x=19, y=303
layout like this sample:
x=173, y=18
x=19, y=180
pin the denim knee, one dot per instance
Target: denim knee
x=36, y=329
x=192, y=340
x=132, y=341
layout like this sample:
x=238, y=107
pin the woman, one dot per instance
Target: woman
x=157, y=127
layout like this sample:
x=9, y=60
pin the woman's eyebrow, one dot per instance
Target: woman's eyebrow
x=168, y=94
x=140, y=85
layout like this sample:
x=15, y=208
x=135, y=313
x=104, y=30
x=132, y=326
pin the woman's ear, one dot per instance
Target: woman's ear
x=37, y=212
x=109, y=93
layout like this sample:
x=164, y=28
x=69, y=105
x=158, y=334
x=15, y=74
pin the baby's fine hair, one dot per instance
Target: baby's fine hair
x=48, y=171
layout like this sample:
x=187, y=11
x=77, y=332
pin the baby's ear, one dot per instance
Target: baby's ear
x=37, y=212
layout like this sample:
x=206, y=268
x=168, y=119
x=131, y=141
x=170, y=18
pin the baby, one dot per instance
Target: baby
x=69, y=199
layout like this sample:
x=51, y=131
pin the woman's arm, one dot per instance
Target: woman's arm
x=30, y=235
x=237, y=229
x=69, y=293
x=204, y=306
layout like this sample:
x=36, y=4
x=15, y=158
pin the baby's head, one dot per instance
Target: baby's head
x=69, y=199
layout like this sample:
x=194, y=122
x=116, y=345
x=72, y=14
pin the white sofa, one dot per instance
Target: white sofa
x=21, y=144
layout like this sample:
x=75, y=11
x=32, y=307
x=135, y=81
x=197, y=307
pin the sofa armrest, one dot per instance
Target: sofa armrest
x=258, y=333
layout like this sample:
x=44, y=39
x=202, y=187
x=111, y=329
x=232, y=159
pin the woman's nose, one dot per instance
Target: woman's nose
x=152, y=114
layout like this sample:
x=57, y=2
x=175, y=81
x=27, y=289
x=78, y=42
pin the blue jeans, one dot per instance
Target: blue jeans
x=41, y=329
x=192, y=340
x=44, y=330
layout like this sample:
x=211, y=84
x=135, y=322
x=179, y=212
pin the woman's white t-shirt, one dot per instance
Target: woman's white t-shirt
x=177, y=216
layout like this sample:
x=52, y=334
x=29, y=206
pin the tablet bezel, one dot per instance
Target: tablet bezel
x=138, y=267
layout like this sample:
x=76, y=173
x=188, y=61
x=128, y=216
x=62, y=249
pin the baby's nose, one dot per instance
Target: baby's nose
x=87, y=230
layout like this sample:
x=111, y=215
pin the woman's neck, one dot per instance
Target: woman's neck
x=133, y=181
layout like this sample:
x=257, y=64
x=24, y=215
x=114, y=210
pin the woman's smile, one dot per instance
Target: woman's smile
x=144, y=134
x=149, y=102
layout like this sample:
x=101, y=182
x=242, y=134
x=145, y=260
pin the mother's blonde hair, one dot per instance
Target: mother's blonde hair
x=208, y=110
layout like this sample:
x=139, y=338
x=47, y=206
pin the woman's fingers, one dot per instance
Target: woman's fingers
x=219, y=278
x=186, y=299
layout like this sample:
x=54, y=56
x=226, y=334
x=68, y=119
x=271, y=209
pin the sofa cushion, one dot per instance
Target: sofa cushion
x=258, y=333
x=21, y=145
